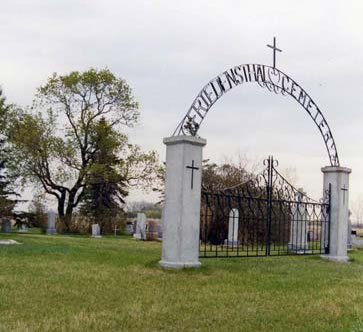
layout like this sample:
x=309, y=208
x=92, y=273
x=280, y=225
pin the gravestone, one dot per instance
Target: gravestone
x=152, y=229
x=51, y=222
x=96, y=232
x=23, y=228
x=232, y=228
x=6, y=226
x=140, y=232
x=160, y=232
x=298, y=230
x=129, y=228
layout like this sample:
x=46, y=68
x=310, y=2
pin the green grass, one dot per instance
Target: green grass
x=76, y=283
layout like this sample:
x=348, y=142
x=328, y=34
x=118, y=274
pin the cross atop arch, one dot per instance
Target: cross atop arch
x=274, y=52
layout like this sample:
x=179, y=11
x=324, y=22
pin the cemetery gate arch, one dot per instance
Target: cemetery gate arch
x=266, y=215
x=273, y=217
x=271, y=78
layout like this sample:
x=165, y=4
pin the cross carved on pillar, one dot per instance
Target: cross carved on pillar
x=344, y=190
x=192, y=168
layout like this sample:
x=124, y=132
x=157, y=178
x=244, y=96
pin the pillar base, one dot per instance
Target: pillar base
x=179, y=265
x=341, y=259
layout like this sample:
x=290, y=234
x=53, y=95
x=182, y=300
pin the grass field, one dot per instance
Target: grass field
x=76, y=283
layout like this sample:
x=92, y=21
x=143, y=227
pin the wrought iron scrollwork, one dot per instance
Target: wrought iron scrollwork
x=270, y=78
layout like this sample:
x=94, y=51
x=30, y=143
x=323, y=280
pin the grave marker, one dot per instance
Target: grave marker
x=140, y=232
x=298, y=230
x=51, y=223
x=23, y=228
x=232, y=228
x=6, y=226
x=129, y=228
x=96, y=232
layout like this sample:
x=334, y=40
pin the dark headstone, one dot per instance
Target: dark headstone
x=6, y=226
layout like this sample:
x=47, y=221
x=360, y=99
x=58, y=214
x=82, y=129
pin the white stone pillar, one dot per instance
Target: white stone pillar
x=338, y=178
x=181, y=215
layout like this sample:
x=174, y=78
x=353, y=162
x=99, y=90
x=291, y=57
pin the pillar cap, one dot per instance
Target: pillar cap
x=184, y=139
x=336, y=169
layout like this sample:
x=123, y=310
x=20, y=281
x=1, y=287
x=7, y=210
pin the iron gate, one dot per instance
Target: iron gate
x=265, y=216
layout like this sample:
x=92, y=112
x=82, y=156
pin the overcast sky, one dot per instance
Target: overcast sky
x=168, y=50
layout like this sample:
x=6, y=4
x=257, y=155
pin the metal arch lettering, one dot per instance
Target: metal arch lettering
x=267, y=77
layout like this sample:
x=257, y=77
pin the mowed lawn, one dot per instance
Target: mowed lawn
x=77, y=283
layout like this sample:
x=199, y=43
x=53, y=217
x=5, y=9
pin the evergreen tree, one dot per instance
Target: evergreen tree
x=107, y=188
x=6, y=205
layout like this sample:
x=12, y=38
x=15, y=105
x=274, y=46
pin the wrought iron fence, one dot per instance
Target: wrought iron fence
x=265, y=216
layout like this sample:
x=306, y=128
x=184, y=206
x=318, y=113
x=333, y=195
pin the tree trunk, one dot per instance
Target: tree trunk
x=65, y=217
x=65, y=213
x=67, y=220
x=69, y=211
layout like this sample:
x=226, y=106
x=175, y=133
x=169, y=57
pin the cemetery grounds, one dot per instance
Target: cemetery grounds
x=78, y=283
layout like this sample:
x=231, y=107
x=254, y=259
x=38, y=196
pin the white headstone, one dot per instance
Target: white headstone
x=23, y=228
x=232, y=228
x=129, y=228
x=96, y=232
x=140, y=232
x=298, y=229
x=51, y=222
